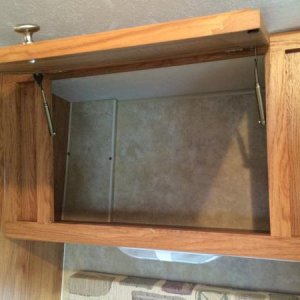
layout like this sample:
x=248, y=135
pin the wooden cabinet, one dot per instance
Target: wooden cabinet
x=29, y=269
x=29, y=201
x=28, y=152
x=283, y=112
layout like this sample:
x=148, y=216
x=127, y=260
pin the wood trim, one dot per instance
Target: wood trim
x=177, y=239
x=285, y=41
x=13, y=208
x=278, y=163
x=11, y=159
x=1, y=148
x=292, y=99
x=157, y=63
x=26, y=102
x=28, y=151
x=199, y=36
x=283, y=135
x=44, y=158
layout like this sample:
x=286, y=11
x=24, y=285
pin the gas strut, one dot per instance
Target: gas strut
x=38, y=77
x=260, y=105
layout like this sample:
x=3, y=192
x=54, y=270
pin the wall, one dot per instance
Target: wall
x=89, y=167
x=191, y=161
x=244, y=273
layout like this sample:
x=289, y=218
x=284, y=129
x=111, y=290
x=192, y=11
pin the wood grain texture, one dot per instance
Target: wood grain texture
x=283, y=139
x=61, y=116
x=13, y=207
x=157, y=63
x=202, y=35
x=278, y=160
x=1, y=148
x=29, y=270
x=27, y=118
x=285, y=41
x=177, y=239
x=44, y=159
x=293, y=98
x=28, y=151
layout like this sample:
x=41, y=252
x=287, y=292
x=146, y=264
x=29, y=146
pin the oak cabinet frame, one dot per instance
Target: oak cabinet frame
x=28, y=151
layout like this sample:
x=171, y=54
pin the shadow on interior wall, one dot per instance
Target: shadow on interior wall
x=259, y=175
x=83, y=210
x=89, y=166
x=195, y=161
x=199, y=176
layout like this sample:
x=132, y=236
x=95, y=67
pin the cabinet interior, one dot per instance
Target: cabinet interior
x=181, y=144
x=178, y=150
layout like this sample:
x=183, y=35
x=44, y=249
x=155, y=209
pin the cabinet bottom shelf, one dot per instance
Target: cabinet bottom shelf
x=233, y=243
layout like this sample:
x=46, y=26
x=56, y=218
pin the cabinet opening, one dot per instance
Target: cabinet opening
x=178, y=146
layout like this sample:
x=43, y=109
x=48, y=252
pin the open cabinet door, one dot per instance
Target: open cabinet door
x=29, y=270
x=28, y=151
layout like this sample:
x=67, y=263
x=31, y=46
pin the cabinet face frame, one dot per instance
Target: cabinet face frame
x=282, y=138
x=283, y=133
